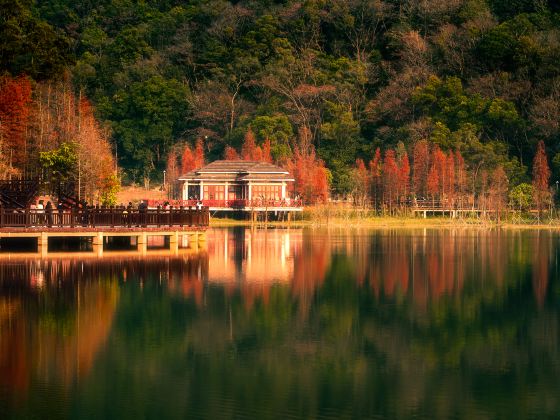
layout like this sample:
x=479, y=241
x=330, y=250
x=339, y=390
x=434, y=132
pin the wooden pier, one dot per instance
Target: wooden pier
x=98, y=224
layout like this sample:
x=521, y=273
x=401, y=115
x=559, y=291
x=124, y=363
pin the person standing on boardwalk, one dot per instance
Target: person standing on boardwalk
x=49, y=211
x=40, y=208
x=142, y=209
x=60, y=209
x=129, y=214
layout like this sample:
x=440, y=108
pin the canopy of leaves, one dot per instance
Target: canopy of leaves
x=482, y=76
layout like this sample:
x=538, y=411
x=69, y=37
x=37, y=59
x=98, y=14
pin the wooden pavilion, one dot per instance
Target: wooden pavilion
x=240, y=186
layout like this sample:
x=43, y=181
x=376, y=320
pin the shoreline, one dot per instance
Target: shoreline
x=387, y=222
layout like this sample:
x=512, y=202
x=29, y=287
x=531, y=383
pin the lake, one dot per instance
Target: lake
x=289, y=323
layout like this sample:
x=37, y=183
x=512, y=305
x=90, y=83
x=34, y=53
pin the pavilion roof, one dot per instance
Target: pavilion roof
x=241, y=170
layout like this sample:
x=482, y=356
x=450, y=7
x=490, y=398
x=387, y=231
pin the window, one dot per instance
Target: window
x=267, y=192
x=214, y=192
x=234, y=192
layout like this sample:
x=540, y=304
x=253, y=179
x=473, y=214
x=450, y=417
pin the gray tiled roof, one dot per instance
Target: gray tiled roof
x=238, y=169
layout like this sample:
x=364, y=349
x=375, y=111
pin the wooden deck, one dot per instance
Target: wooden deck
x=97, y=224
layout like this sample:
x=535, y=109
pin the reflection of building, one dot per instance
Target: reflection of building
x=240, y=185
x=252, y=256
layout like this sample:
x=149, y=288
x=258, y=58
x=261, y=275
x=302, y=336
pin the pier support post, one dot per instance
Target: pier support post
x=43, y=244
x=142, y=241
x=98, y=244
x=193, y=241
x=174, y=242
x=98, y=239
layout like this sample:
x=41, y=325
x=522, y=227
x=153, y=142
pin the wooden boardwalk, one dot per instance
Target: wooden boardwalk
x=98, y=224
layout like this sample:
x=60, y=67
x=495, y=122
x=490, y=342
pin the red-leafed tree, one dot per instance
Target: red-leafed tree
x=541, y=179
x=199, y=159
x=498, y=191
x=15, y=100
x=421, y=167
x=376, y=184
x=249, y=147
x=172, y=169
x=404, y=178
x=188, y=161
x=390, y=179
x=362, y=183
x=438, y=165
x=230, y=153
x=311, y=176
x=461, y=178
x=432, y=183
x=450, y=178
x=266, y=151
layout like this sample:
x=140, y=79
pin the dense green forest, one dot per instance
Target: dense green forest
x=479, y=76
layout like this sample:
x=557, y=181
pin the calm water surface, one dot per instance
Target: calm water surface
x=458, y=323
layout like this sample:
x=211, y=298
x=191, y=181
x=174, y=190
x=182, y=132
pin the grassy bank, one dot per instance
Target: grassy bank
x=340, y=217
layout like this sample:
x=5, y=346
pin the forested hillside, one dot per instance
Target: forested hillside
x=481, y=77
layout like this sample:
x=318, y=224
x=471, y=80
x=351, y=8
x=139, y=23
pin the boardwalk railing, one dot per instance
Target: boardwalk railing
x=104, y=217
x=234, y=204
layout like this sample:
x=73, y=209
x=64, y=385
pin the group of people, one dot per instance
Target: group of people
x=47, y=213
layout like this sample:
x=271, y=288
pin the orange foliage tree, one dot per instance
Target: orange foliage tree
x=541, y=179
x=404, y=178
x=498, y=191
x=421, y=167
x=230, y=153
x=375, y=170
x=362, y=183
x=15, y=100
x=390, y=179
x=188, y=161
x=199, y=159
x=311, y=176
x=250, y=150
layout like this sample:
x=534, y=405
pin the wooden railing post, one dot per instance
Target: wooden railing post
x=27, y=217
x=158, y=208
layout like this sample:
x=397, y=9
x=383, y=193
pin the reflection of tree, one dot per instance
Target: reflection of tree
x=541, y=259
x=54, y=334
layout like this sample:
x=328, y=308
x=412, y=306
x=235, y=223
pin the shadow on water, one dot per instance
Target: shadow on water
x=289, y=323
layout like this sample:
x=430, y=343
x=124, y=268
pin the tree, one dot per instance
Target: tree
x=230, y=153
x=250, y=150
x=188, y=160
x=29, y=44
x=521, y=196
x=172, y=170
x=311, y=177
x=404, y=178
x=266, y=151
x=60, y=163
x=362, y=181
x=541, y=179
x=199, y=154
x=461, y=178
x=15, y=100
x=421, y=167
x=432, y=183
x=375, y=166
x=498, y=191
x=390, y=179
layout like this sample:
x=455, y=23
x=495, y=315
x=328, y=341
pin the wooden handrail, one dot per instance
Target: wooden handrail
x=104, y=217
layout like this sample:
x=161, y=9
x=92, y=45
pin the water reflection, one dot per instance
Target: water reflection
x=289, y=322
